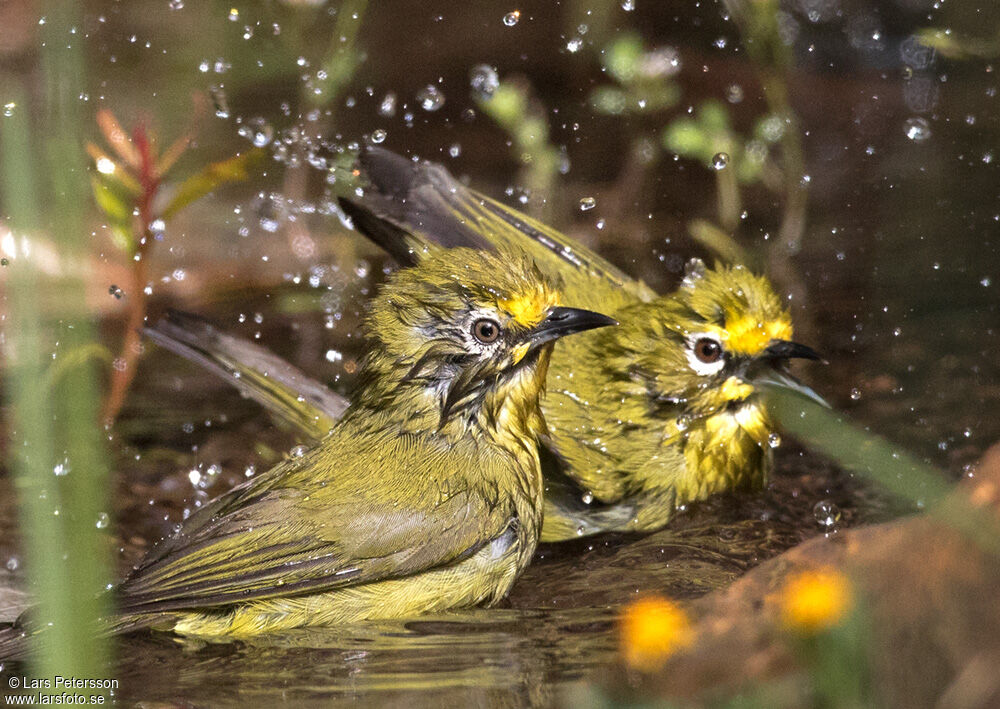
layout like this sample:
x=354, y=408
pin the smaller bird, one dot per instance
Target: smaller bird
x=428, y=494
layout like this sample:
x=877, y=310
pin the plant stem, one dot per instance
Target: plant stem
x=124, y=368
x=793, y=219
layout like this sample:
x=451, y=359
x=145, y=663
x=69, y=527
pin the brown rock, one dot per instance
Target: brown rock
x=929, y=592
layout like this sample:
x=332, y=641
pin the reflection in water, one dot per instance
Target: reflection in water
x=504, y=657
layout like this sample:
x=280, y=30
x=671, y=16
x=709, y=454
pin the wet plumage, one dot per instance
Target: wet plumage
x=426, y=496
x=638, y=424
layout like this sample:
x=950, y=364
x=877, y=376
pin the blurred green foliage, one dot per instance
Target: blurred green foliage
x=641, y=78
x=514, y=108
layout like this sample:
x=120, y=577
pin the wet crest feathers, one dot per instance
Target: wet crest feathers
x=653, y=346
x=424, y=364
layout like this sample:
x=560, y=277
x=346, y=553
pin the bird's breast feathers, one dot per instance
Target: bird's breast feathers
x=726, y=449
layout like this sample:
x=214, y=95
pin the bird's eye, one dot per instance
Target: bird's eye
x=707, y=350
x=486, y=331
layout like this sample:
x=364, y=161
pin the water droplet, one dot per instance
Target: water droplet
x=219, y=100
x=257, y=131
x=580, y=530
x=103, y=519
x=659, y=63
x=388, y=106
x=720, y=43
x=855, y=394
x=773, y=440
x=334, y=356
x=271, y=211
x=13, y=563
x=105, y=165
x=588, y=497
x=8, y=109
x=683, y=422
x=720, y=161
x=826, y=514
x=298, y=451
x=61, y=469
x=454, y=150
x=734, y=93
x=917, y=129
x=116, y=291
x=512, y=18
x=573, y=46
x=378, y=136
x=176, y=4
x=484, y=81
x=234, y=14
x=430, y=98
x=157, y=227
x=587, y=203
x=628, y=5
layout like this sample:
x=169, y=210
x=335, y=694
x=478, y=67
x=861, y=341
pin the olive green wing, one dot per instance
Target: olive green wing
x=572, y=511
x=296, y=398
x=408, y=206
x=343, y=514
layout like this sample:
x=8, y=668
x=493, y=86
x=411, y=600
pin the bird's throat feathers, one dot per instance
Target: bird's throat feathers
x=421, y=393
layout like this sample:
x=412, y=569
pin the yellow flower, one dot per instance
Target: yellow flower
x=652, y=629
x=815, y=600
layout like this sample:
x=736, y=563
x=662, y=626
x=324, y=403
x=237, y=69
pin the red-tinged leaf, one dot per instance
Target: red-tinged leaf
x=117, y=138
x=235, y=169
x=147, y=162
x=172, y=154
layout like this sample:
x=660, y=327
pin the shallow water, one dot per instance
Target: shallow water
x=901, y=263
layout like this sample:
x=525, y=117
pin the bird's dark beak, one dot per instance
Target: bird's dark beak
x=776, y=353
x=565, y=321
x=786, y=349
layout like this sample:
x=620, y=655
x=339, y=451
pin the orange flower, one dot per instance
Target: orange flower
x=815, y=600
x=652, y=629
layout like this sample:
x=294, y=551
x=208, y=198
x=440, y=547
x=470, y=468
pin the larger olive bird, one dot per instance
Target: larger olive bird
x=664, y=410
x=428, y=494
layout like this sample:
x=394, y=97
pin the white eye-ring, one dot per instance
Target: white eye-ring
x=483, y=332
x=705, y=353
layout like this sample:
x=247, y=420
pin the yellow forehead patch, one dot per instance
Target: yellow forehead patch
x=747, y=335
x=528, y=309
